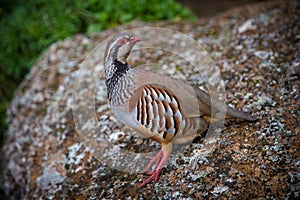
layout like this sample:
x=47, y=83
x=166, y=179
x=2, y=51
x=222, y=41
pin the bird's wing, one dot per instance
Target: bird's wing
x=160, y=114
x=183, y=91
x=196, y=102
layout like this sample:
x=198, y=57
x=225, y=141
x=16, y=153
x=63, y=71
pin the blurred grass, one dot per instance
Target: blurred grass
x=26, y=29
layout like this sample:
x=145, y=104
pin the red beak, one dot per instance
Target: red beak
x=134, y=39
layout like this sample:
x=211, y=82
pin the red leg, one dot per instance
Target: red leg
x=155, y=175
x=155, y=159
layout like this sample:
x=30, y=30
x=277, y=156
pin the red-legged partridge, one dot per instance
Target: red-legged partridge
x=154, y=105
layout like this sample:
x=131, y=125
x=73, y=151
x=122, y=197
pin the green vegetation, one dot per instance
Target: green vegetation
x=29, y=27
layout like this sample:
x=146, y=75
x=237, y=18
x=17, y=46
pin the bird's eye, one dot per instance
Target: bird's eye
x=122, y=41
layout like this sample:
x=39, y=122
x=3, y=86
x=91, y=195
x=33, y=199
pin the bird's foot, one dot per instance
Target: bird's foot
x=153, y=176
x=159, y=164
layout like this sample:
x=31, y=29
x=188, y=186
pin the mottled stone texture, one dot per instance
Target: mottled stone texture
x=257, y=50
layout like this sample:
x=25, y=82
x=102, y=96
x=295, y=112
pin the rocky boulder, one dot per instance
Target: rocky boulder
x=257, y=50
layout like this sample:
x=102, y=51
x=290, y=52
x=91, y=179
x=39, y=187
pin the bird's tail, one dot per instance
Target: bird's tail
x=231, y=112
x=205, y=105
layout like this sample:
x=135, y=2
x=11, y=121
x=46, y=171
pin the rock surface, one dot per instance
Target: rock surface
x=257, y=50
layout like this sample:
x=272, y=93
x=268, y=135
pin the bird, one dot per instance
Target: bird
x=154, y=105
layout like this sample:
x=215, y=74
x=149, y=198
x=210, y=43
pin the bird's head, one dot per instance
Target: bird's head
x=119, y=47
